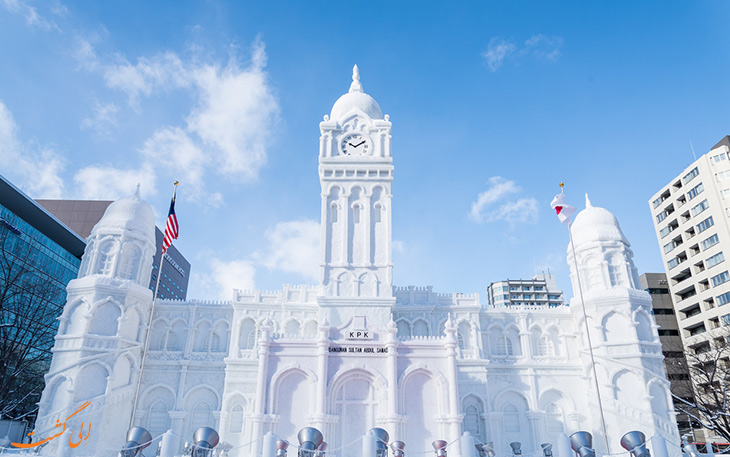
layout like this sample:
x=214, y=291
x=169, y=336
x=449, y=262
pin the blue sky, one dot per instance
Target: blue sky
x=491, y=98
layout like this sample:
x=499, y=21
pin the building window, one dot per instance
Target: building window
x=719, y=279
x=333, y=212
x=704, y=225
x=719, y=157
x=701, y=206
x=722, y=175
x=709, y=242
x=663, y=332
x=695, y=191
x=689, y=176
x=723, y=299
x=715, y=259
x=725, y=319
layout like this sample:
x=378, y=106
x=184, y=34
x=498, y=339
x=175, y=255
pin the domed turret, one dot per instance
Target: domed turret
x=122, y=243
x=602, y=252
x=595, y=224
x=354, y=100
x=131, y=213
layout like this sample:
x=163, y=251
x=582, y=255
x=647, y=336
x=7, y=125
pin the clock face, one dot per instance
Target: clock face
x=354, y=144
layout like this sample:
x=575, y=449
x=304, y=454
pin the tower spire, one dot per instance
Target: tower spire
x=588, y=202
x=356, y=86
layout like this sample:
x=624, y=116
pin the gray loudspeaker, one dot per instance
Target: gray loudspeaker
x=138, y=438
x=635, y=442
x=440, y=447
x=582, y=443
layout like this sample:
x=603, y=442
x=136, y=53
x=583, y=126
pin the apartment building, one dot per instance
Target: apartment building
x=692, y=221
x=675, y=362
x=541, y=290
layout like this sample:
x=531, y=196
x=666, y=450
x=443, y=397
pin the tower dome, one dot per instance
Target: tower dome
x=131, y=213
x=595, y=224
x=356, y=99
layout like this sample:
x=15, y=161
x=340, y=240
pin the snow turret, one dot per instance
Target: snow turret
x=98, y=348
x=602, y=252
x=355, y=100
x=122, y=243
x=628, y=361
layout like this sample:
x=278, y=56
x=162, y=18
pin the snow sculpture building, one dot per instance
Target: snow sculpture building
x=356, y=352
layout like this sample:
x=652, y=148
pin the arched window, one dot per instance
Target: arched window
x=292, y=328
x=404, y=329
x=356, y=213
x=158, y=419
x=543, y=347
x=201, y=417
x=503, y=345
x=172, y=342
x=511, y=419
x=464, y=335
x=420, y=328
x=554, y=418
x=106, y=259
x=130, y=262
x=333, y=212
x=247, y=337
x=236, y=424
x=473, y=420
x=212, y=342
x=377, y=212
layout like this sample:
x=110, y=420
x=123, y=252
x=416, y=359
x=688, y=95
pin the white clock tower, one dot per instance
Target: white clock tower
x=356, y=172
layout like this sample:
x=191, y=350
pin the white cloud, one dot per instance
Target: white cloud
x=32, y=17
x=510, y=208
x=109, y=183
x=523, y=210
x=170, y=148
x=543, y=46
x=165, y=71
x=228, y=128
x=294, y=247
x=222, y=277
x=398, y=246
x=539, y=46
x=498, y=50
x=103, y=121
x=235, y=115
x=498, y=189
x=37, y=168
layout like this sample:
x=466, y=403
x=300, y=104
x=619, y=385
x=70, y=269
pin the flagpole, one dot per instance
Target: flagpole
x=149, y=327
x=588, y=335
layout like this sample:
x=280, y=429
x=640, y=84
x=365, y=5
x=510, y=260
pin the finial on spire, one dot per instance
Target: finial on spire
x=588, y=202
x=136, y=192
x=356, y=86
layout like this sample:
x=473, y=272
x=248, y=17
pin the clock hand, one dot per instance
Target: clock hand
x=352, y=145
x=358, y=144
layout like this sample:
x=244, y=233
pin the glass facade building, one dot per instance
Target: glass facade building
x=38, y=257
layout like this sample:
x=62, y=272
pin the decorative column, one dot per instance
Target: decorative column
x=323, y=345
x=177, y=419
x=261, y=387
x=392, y=420
x=535, y=419
x=453, y=418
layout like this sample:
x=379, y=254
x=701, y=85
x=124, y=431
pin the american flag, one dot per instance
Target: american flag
x=171, y=228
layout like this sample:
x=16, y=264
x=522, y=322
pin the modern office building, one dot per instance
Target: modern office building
x=541, y=290
x=82, y=215
x=691, y=216
x=675, y=362
x=39, y=255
